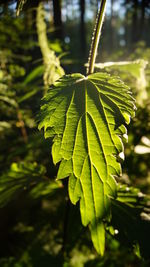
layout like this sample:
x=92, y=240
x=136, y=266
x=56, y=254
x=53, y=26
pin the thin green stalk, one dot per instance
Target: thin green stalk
x=96, y=37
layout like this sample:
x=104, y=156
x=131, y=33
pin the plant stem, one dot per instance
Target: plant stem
x=66, y=223
x=51, y=62
x=96, y=37
x=22, y=126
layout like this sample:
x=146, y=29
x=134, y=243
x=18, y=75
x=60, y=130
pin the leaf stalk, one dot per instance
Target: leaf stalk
x=96, y=37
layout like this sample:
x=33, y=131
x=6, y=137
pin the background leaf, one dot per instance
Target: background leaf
x=135, y=69
x=20, y=177
x=131, y=218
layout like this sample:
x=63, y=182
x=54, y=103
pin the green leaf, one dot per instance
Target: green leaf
x=85, y=116
x=34, y=74
x=8, y=100
x=131, y=71
x=20, y=177
x=133, y=67
x=131, y=219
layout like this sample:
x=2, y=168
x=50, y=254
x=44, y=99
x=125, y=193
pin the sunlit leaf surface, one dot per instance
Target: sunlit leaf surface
x=85, y=116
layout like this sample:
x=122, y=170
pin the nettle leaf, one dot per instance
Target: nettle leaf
x=85, y=116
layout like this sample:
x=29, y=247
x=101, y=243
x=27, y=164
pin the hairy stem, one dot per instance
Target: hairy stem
x=96, y=37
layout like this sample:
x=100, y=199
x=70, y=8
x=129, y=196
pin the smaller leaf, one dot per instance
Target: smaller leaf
x=136, y=70
x=20, y=177
x=131, y=218
x=145, y=148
